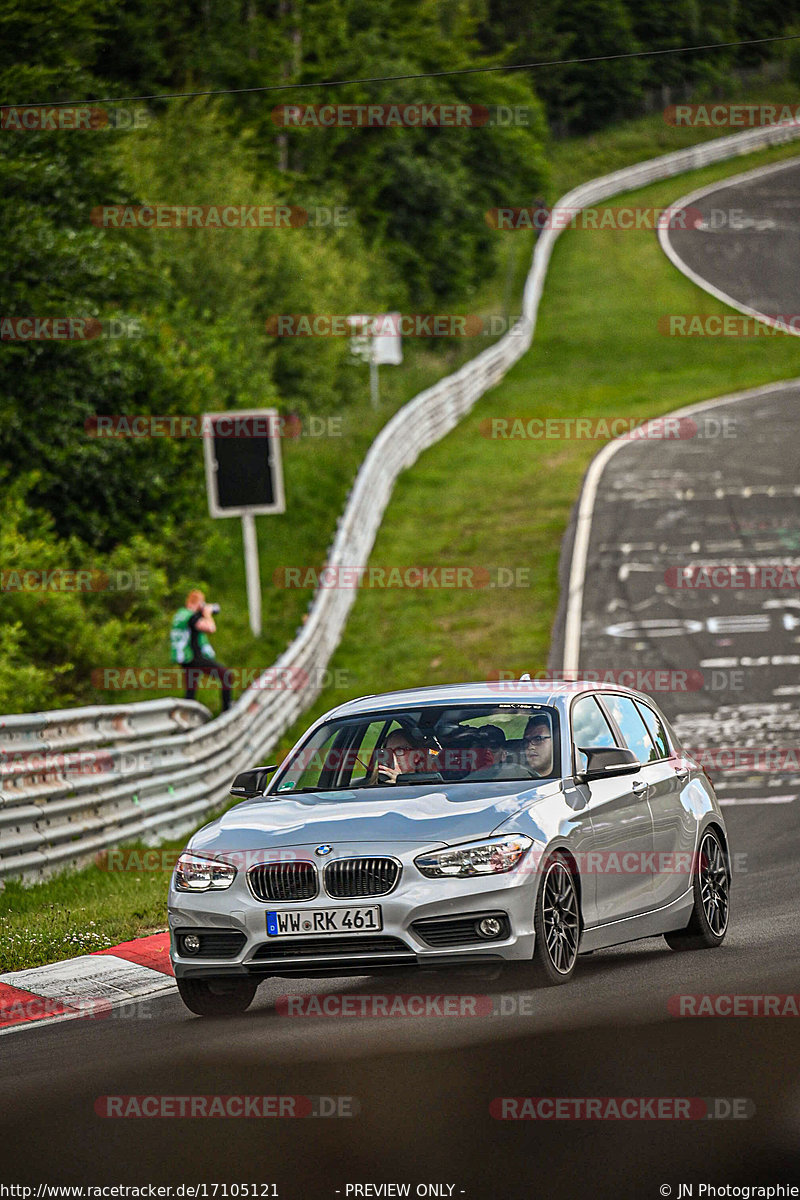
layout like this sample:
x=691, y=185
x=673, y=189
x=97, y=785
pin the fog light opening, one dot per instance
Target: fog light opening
x=191, y=943
x=489, y=928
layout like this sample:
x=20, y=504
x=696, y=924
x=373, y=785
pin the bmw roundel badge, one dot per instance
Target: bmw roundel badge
x=323, y=850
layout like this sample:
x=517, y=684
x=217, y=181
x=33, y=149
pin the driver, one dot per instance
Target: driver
x=399, y=756
x=537, y=741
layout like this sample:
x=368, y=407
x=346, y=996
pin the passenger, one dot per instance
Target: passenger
x=502, y=765
x=538, y=743
x=496, y=740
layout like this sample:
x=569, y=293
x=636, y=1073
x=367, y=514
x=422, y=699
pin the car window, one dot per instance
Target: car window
x=364, y=762
x=657, y=731
x=309, y=766
x=589, y=728
x=447, y=744
x=632, y=726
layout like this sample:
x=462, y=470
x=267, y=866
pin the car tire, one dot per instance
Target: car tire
x=708, y=923
x=217, y=997
x=556, y=924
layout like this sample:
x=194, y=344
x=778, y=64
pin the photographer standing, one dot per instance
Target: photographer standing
x=189, y=645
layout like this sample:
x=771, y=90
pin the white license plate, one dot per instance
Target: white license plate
x=310, y=922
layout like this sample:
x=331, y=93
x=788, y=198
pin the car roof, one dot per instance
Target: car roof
x=504, y=691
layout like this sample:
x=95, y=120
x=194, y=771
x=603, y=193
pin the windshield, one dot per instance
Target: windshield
x=420, y=746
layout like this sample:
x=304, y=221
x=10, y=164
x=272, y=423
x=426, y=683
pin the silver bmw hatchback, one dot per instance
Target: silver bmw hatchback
x=444, y=826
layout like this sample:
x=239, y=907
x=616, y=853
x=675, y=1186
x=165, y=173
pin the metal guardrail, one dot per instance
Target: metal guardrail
x=68, y=729
x=155, y=768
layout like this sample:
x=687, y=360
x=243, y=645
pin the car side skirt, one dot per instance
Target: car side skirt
x=648, y=924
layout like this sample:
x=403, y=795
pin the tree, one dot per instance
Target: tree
x=57, y=264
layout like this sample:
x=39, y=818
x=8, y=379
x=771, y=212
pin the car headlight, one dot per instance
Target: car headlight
x=194, y=873
x=490, y=857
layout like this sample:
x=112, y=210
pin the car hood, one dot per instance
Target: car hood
x=415, y=814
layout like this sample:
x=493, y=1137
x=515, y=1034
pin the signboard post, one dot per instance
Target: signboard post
x=376, y=339
x=244, y=477
x=251, y=571
x=374, y=392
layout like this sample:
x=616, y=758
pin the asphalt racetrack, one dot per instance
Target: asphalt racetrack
x=424, y=1085
x=748, y=243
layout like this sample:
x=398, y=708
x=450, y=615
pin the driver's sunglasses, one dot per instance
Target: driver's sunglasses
x=538, y=739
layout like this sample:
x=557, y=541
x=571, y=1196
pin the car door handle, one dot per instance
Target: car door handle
x=682, y=773
x=639, y=787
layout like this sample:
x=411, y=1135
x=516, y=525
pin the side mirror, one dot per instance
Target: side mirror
x=603, y=761
x=251, y=783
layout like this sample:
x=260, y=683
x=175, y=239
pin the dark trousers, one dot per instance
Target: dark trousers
x=208, y=666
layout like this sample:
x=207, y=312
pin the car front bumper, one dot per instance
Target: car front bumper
x=402, y=942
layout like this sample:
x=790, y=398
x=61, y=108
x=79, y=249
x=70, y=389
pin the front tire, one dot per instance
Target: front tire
x=708, y=923
x=217, y=997
x=556, y=924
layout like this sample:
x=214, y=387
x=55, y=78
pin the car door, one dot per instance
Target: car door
x=674, y=823
x=622, y=826
x=666, y=883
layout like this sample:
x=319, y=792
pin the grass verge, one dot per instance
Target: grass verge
x=78, y=912
x=484, y=503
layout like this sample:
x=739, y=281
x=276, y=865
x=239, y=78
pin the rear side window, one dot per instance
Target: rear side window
x=657, y=731
x=632, y=727
x=589, y=728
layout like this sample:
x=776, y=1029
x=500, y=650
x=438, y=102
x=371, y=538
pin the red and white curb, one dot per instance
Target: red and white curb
x=89, y=986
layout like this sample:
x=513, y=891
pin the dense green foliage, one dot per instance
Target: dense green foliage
x=587, y=96
x=219, y=44
x=412, y=235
